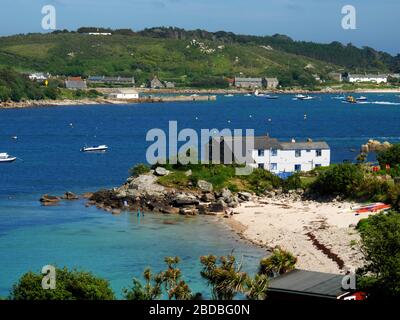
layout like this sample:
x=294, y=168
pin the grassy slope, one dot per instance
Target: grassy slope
x=143, y=57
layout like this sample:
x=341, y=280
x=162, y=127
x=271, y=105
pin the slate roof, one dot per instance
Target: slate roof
x=309, y=283
x=304, y=145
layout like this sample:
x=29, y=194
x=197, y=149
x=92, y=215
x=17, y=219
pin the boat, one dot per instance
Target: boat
x=299, y=96
x=102, y=147
x=258, y=94
x=229, y=95
x=5, y=157
x=306, y=98
x=372, y=207
x=271, y=97
x=362, y=98
x=351, y=99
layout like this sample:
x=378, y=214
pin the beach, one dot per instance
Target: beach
x=321, y=235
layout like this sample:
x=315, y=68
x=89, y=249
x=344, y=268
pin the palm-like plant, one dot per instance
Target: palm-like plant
x=225, y=278
x=279, y=262
x=257, y=287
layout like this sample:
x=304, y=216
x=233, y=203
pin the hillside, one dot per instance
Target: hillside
x=172, y=55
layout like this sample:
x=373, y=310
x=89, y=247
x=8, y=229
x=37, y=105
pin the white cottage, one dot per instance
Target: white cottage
x=276, y=156
x=127, y=94
x=377, y=78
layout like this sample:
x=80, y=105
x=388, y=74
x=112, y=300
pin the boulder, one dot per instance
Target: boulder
x=168, y=210
x=144, y=184
x=208, y=197
x=245, y=196
x=70, y=196
x=205, y=186
x=48, y=200
x=183, y=199
x=188, y=211
x=160, y=171
x=188, y=173
x=218, y=206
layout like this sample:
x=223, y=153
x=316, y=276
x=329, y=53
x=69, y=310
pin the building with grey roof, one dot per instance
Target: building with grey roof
x=268, y=153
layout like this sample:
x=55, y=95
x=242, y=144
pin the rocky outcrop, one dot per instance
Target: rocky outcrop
x=144, y=193
x=48, y=200
x=70, y=196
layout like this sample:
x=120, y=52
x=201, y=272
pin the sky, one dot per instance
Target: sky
x=308, y=20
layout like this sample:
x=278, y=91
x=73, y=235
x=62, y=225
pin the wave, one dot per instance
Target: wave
x=381, y=102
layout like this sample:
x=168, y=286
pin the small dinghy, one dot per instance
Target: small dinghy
x=5, y=157
x=95, y=148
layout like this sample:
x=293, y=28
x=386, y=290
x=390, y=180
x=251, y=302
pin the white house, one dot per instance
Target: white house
x=38, y=76
x=279, y=157
x=127, y=94
x=378, y=78
x=276, y=156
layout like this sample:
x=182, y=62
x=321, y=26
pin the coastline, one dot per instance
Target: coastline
x=157, y=96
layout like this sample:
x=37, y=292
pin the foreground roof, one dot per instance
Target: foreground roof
x=309, y=283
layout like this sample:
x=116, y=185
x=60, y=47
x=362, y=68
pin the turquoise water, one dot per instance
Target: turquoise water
x=119, y=247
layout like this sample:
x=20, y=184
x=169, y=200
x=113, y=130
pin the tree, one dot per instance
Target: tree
x=170, y=280
x=380, y=240
x=390, y=156
x=70, y=285
x=278, y=263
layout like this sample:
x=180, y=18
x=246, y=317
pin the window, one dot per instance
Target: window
x=261, y=166
x=261, y=153
x=308, y=150
x=318, y=165
x=274, y=152
x=318, y=152
x=274, y=166
x=297, y=167
x=298, y=153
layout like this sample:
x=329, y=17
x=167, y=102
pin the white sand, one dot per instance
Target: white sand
x=285, y=223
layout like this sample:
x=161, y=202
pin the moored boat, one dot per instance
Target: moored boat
x=351, y=99
x=5, y=157
x=362, y=98
x=102, y=147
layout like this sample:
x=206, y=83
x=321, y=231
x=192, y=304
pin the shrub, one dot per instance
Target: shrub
x=342, y=179
x=261, y=180
x=279, y=262
x=390, y=156
x=70, y=285
x=139, y=169
x=293, y=182
x=381, y=247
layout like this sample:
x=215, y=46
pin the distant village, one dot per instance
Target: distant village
x=124, y=86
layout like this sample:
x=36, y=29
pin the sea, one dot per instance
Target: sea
x=119, y=248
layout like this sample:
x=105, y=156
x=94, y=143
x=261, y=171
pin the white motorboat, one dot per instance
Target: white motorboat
x=5, y=157
x=306, y=98
x=102, y=147
x=258, y=94
x=299, y=96
x=362, y=98
x=229, y=95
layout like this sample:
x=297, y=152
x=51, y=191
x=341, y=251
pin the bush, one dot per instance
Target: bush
x=261, y=180
x=381, y=248
x=390, y=156
x=70, y=285
x=293, y=182
x=342, y=179
x=139, y=169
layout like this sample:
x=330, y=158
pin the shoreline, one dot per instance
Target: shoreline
x=158, y=96
x=321, y=235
